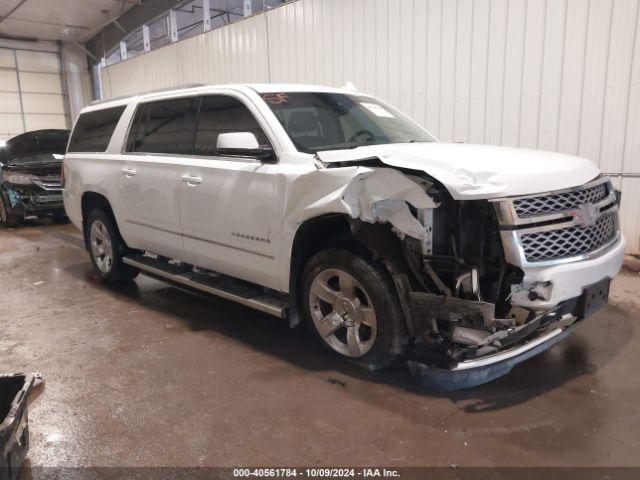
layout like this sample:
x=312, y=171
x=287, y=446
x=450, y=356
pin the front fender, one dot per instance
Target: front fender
x=372, y=195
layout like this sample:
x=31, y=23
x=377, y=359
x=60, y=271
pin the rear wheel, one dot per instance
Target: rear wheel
x=8, y=219
x=107, y=249
x=351, y=304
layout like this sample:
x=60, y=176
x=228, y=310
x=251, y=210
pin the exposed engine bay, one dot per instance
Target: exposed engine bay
x=459, y=284
x=462, y=266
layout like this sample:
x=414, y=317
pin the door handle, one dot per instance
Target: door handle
x=191, y=180
x=128, y=172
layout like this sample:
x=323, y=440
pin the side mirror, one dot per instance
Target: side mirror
x=243, y=144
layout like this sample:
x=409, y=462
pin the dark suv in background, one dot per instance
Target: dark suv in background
x=30, y=176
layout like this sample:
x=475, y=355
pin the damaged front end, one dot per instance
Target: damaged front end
x=30, y=175
x=470, y=311
x=34, y=200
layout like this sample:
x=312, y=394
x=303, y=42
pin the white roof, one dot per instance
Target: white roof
x=293, y=87
x=203, y=88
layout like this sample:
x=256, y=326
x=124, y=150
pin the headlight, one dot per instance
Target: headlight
x=17, y=178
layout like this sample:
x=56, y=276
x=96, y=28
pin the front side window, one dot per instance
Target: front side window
x=93, y=130
x=330, y=121
x=223, y=114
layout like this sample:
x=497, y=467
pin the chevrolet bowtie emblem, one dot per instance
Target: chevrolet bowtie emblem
x=586, y=215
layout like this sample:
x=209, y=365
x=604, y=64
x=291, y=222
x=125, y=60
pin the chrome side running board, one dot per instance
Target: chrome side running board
x=244, y=293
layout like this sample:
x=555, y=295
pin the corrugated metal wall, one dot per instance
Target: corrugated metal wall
x=560, y=75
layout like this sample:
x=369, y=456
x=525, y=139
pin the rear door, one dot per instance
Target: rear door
x=230, y=207
x=161, y=133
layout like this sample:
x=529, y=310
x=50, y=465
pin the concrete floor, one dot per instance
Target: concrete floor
x=149, y=375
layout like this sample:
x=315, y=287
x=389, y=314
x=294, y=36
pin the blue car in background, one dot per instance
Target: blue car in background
x=30, y=176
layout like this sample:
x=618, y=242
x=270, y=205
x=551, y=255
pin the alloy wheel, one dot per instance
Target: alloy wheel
x=101, y=246
x=342, y=313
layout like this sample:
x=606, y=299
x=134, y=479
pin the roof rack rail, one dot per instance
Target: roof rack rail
x=160, y=90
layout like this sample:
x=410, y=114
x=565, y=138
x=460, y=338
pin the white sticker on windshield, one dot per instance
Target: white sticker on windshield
x=377, y=110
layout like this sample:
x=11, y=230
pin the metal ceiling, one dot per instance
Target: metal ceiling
x=65, y=20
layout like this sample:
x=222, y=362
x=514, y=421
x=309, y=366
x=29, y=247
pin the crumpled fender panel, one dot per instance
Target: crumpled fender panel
x=373, y=195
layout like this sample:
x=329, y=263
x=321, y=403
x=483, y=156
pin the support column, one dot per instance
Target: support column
x=247, y=9
x=206, y=15
x=173, y=26
x=146, y=39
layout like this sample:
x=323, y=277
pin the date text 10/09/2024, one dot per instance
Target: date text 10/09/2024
x=316, y=472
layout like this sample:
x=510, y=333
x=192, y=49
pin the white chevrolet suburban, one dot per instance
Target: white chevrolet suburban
x=330, y=206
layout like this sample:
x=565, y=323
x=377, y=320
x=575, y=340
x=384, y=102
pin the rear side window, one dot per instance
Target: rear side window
x=163, y=127
x=223, y=114
x=94, y=129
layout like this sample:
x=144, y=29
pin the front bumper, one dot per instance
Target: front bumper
x=474, y=372
x=566, y=280
x=32, y=200
x=509, y=347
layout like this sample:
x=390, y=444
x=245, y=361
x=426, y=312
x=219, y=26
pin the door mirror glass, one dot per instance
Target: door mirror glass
x=243, y=144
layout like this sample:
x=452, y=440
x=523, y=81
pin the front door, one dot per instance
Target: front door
x=230, y=207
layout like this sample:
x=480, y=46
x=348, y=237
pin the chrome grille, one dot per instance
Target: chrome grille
x=568, y=242
x=527, y=207
x=48, y=182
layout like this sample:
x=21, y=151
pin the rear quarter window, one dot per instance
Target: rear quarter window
x=93, y=130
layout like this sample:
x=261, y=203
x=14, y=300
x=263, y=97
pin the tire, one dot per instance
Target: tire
x=107, y=248
x=352, y=306
x=8, y=219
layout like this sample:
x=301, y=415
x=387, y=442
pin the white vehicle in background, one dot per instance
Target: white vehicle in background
x=330, y=206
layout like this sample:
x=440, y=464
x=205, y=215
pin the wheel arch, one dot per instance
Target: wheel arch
x=89, y=202
x=338, y=230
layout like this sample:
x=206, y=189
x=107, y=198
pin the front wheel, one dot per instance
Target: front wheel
x=107, y=249
x=352, y=306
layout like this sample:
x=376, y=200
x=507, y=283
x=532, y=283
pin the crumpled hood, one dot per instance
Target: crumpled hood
x=479, y=171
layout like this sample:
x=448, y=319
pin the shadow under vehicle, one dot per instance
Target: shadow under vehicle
x=30, y=176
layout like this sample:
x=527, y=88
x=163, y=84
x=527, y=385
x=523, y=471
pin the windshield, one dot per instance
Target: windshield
x=331, y=121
